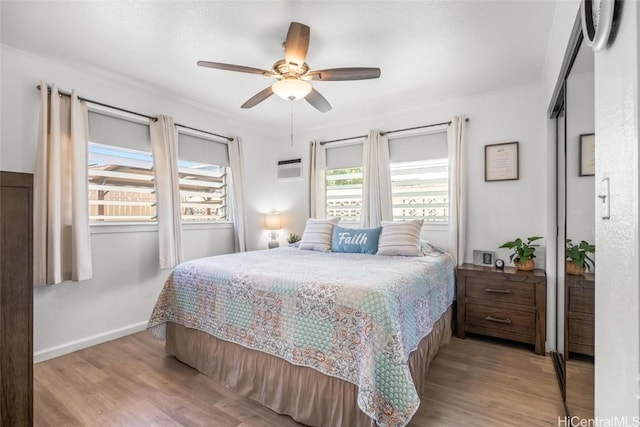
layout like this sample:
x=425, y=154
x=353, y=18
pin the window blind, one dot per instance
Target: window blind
x=410, y=148
x=198, y=149
x=344, y=156
x=110, y=130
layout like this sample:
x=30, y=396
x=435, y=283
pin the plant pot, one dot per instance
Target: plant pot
x=574, y=269
x=527, y=265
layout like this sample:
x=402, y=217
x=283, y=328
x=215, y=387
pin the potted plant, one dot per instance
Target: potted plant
x=293, y=239
x=578, y=257
x=523, y=253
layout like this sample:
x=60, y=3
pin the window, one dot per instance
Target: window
x=419, y=168
x=420, y=177
x=203, y=168
x=343, y=181
x=421, y=190
x=203, y=191
x=120, y=184
x=121, y=187
x=120, y=169
x=344, y=193
x=121, y=180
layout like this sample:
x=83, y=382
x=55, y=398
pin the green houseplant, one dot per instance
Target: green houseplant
x=578, y=257
x=293, y=238
x=523, y=253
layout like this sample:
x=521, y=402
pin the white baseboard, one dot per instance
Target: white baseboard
x=70, y=347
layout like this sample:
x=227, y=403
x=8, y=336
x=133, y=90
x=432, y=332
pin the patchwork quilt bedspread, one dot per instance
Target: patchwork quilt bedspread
x=356, y=317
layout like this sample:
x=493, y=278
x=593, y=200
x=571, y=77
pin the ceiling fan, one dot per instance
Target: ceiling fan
x=293, y=73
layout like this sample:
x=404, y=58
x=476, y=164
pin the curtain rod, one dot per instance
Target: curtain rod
x=343, y=139
x=65, y=93
x=390, y=131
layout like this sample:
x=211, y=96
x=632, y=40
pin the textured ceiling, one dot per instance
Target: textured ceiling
x=429, y=51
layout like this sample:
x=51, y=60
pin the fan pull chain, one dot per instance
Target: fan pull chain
x=291, y=123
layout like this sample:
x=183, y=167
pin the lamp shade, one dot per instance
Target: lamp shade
x=291, y=88
x=272, y=221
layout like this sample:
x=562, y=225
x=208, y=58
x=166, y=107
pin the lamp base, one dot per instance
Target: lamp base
x=274, y=244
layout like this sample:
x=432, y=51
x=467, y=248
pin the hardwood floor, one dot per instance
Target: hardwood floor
x=580, y=382
x=131, y=382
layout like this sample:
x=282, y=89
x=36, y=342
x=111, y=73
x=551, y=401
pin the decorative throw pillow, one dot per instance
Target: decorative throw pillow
x=317, y=234
x=400, y=238
x=355, y=240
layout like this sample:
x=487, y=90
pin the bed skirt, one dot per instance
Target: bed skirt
x=303, y=393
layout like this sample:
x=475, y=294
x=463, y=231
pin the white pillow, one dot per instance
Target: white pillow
x=317, y=234
x=400, y=238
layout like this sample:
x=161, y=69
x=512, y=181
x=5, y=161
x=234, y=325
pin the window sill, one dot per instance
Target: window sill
x=206, y=225
x=435, y=227
x=142, y=227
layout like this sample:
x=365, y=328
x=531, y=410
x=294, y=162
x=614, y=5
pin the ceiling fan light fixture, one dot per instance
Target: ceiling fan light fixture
x=291, y=88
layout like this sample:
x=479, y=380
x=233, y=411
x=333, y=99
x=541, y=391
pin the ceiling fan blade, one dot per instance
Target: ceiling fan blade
x=318, y=101
x=231, y=67
x=355, y=73
x=258, y=98
x=297, y=44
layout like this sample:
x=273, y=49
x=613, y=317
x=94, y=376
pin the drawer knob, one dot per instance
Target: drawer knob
x=495, y=319
x=498, y=291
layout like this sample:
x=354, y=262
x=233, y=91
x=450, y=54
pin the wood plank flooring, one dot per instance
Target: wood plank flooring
x=131, y=382
x=580, y=383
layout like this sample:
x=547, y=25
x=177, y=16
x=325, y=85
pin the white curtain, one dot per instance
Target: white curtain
x=317, y=194
x=376, y=188
x=237, y=189
x=457, y=205
x=61, y=239
x=165, y=171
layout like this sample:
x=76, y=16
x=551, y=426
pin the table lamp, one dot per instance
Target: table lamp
x=273, y=221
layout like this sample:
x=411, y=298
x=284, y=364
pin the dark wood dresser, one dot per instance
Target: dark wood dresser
x=580, y=313
x=508, y=304
x=16, y=299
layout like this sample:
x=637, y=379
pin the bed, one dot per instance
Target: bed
x=327, y=338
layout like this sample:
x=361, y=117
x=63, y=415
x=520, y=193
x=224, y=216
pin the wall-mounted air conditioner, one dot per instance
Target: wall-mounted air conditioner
x=290, y=170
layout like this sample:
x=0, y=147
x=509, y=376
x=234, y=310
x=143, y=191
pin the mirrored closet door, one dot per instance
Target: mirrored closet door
x=579, y=209
x=573, y=110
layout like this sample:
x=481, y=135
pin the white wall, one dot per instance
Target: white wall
x=580, y=114
x=127, y=278
x=617, y=106
x=264, y=193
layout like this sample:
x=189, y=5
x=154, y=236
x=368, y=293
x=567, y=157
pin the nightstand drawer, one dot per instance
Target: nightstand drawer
x=581, y=332
x=482, y=317
x=500, y=290
x=581, y=300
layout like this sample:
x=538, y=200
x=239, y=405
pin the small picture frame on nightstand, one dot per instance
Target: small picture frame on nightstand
x=485, y=258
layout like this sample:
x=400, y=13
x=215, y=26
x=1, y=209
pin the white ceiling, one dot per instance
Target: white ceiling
x=428, y=51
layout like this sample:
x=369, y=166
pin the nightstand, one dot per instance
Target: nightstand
x=508, y=304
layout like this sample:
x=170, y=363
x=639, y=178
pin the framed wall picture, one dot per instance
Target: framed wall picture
x=485, y=258
x=587, y=154
x=501, y=162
